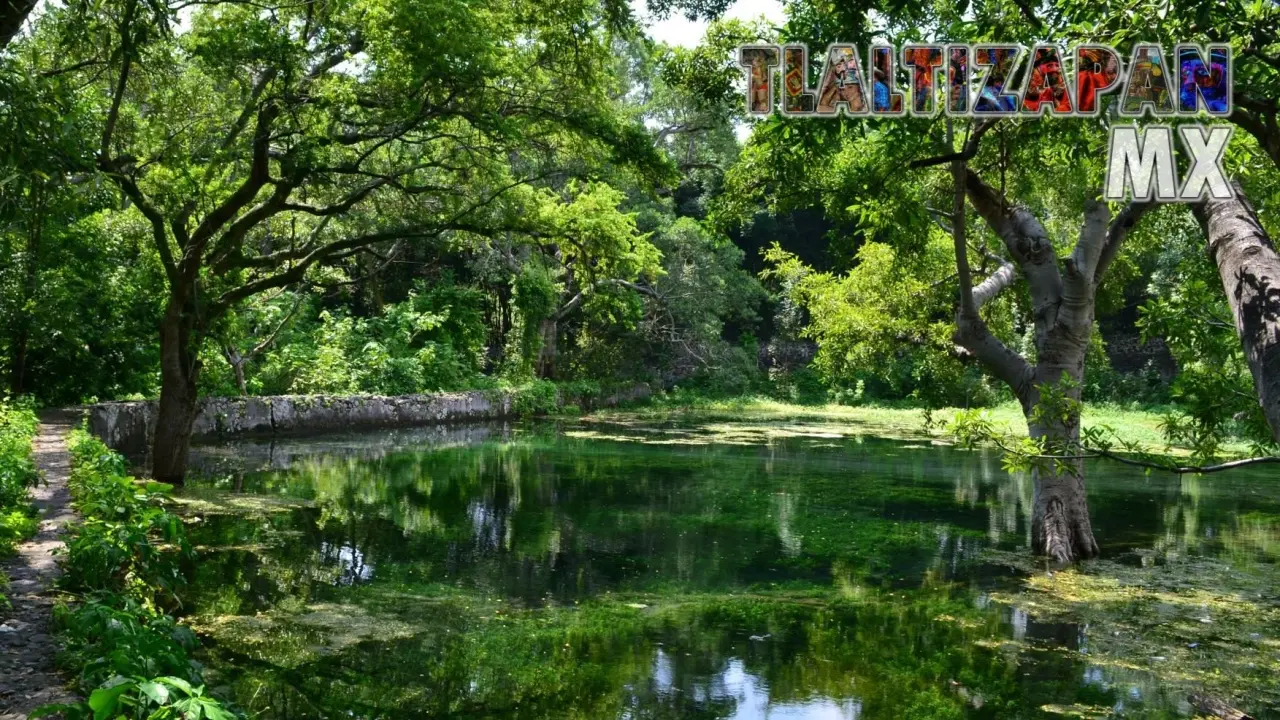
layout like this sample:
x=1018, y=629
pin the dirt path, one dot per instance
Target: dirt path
x=27, y=647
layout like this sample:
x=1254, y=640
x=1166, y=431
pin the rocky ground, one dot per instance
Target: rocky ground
x=27, y=645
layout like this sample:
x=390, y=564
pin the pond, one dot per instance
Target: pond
x=746, y=571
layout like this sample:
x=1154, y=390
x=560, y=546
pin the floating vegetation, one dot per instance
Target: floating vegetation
x=194, y=505
x=713, y=569
x=1188, y=623
x=292, y=637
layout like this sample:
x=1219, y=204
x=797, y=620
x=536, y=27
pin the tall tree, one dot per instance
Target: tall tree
x=1063, y=293
x=1250, y=270
x=1245, y=255
x=260, y=142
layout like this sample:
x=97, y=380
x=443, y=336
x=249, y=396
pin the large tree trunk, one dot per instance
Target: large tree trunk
x=1250, y=269
x=179, y=370
x=1060, y=527
x=1063, y=293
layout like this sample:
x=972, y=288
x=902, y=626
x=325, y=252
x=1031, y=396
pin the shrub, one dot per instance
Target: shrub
x=125, y=562
x=17, y=473
x=536, y=398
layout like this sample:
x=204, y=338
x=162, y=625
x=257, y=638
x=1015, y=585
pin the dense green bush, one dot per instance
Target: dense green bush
x=17, y=473
x=432, y=340
x=535, y=398
x=124, y=561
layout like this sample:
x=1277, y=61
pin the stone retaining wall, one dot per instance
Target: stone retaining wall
x=129, y=426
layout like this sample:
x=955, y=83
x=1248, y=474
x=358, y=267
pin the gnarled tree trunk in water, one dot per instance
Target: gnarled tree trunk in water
x=176, y=414
x=1063, y=293
x=1060, y=526
x=1250, y=269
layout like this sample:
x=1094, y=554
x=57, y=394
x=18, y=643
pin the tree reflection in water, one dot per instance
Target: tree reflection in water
x=685, y=573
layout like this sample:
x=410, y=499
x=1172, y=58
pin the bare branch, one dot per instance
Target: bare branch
x=959, y=229
x=238, y=126
x=971, y=331
x=967, y=153
x=995, y=283
x=12, y=14
x=1117, y=233
x=582, y=295
x=159, y=235
x=1029, y=14
x=117, y=97
x=1181, y=469
x=248, y=190
x=268, y=340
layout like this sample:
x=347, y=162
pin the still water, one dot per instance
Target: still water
x=733, y=571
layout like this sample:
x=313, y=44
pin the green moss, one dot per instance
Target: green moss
x=1140, y=426
x=1189, y=624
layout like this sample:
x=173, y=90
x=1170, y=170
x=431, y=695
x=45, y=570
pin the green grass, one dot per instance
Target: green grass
x=1138, y=425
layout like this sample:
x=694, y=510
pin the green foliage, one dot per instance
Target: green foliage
x=885, y=326
x=17, y=473
x=124, y=561
x=538, y=397
x=106, y=637
x=1060, y=452
x=159, y=699
x=536, y=297
x=127, y=542
x=1214, y=388
x=432, y=340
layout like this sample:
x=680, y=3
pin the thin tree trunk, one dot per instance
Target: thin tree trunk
x=550, y=331
x=236, y=361
x=238, y=366
x=18, y=365
x=1250, y=269
x=179, y=370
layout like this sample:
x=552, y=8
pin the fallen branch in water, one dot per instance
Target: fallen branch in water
x=1216, y=708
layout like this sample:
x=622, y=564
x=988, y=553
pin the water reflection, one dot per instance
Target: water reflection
x=668, y=572
x=736, y=690
x=352, y=567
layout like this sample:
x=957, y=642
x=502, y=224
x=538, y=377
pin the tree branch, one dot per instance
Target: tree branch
x=972, y=332
x=248, y=190
x=970, y=149
x=1028, y=244
x=582, y=295
x=1181, y=469
x=1117, y=233
x=158, y=232
x=126, y=62
x=1003, y=277
x=12, y=14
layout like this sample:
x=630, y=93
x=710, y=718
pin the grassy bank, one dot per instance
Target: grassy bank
x=17, y=474
x=1138, y=425
x=124, y=563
